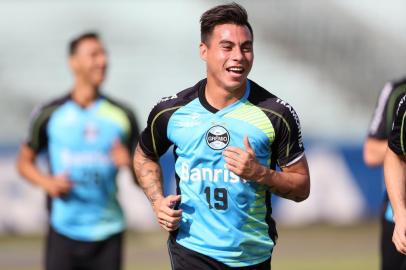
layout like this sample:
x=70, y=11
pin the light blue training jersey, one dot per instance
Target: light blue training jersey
x=78, y=142
x=224, y=216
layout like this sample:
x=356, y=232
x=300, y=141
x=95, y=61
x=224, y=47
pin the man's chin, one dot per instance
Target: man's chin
x=234, y=84
x=97, y=82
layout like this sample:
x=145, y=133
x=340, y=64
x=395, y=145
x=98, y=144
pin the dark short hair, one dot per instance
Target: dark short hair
x=222, y=14
x=74, y=44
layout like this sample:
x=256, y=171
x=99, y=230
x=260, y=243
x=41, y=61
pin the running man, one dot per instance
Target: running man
x=228, y=134
x=375, y=147
x=87, y=137
x=395, y=176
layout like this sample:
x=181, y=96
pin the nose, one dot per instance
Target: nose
x=237, y=54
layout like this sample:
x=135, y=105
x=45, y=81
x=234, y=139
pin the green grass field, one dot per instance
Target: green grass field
x=317, y=247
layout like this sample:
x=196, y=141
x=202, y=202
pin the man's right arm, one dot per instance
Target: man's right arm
x=395, y=181
x=374, y=151
x=55, y=186
x=149, y=175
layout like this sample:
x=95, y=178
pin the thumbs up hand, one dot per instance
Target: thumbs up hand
x=243, y=162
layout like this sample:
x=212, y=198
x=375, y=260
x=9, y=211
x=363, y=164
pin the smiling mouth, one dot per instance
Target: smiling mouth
x=236, y=70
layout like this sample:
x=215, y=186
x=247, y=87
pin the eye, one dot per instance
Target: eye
x=247, y=49
x=226, y=45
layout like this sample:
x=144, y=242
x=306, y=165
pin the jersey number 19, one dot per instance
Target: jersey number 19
x=220, y=197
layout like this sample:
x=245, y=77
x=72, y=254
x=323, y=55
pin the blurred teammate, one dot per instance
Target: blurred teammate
x=375, y=148
x=395, y=176
x=229, y=134
x=87, y=137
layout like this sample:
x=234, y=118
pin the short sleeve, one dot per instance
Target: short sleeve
x=154, y=139
x=378, y=127
x=37, y=137
x=288, y=145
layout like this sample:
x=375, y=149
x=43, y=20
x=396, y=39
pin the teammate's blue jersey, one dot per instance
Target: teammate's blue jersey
x=224, y=216
x=78, y=143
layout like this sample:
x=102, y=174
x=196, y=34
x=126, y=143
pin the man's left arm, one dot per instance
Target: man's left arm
x=292, y=183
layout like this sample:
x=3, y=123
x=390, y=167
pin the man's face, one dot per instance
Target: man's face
x=89, y=62
x=229, y=55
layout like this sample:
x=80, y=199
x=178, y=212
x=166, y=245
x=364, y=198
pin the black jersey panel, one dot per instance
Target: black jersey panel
x=37, y=138
x=381, y=123
x=154, y=139
x=288, y=143
x=397, y=139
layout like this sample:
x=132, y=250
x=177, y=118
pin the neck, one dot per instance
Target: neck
x=219, y=97
x=84, y=94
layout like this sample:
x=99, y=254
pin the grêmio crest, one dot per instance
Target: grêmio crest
x=217, y=137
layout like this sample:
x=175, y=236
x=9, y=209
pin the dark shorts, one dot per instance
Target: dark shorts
x=63, y=253
x=185, y=259
x=391, y=259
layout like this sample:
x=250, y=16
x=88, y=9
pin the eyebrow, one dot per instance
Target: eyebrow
x=228, y=42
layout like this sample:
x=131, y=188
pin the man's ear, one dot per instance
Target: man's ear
x=203, y=51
